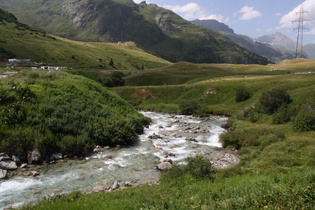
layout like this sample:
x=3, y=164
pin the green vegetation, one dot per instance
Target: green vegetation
x=155, y=29
x=55, y=111
x=20, y=41
x=277, y=150
x=106, y=78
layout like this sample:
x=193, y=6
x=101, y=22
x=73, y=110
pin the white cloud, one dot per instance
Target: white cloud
x=264, y=29
x=248, y=13
x=287, y=20
x=192, y=11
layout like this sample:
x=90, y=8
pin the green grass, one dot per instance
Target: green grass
x=276, y=169
x=23, y=42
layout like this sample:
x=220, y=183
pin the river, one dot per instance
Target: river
x=168, y=137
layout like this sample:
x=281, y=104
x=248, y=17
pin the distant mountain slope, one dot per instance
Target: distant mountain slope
x=214, y=25
x=263, y=49
x=309, y=49
x=20, y=41
x=278, y=40
x=155, y=29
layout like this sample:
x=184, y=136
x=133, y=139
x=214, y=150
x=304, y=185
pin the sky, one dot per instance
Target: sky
x=253, y=18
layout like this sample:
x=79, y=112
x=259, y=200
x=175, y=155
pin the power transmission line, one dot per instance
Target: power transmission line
x=300, y=29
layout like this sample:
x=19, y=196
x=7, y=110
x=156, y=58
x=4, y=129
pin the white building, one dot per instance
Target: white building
x=54, y=67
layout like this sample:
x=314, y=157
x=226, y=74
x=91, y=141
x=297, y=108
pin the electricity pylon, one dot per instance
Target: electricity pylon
x=300, y=29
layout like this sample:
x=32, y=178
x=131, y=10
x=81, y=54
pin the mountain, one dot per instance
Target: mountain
x=309, y=49
x=278, y=40
x=264, y=49
x=214, y=25
x=155, y=29
x=18, y=40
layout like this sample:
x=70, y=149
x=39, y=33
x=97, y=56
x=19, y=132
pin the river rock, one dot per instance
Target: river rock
x=97, y=149
x=164, y=165
x=115, y=185
x=16, y=160
x=4, y=156
x=8, y=165
x=3, y=174
x=154, y=136
x=100, y=189
x=34, y=157
x=33, y=173
x=24, y=165
x=200, y=138
x=55, y=156
x=225, y=126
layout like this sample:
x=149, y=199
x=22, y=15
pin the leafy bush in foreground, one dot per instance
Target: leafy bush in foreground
x=198, y=167
x=274, y=99
x=65, y=114
x=188, y=106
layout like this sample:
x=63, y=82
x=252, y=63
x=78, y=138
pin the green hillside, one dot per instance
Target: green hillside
x=54, y=111
x=155, y=29
x=20, y=41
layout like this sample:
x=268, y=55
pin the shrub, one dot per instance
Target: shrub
x=304, y=121
x=189, y=106
x=284, y=115
x=274, y=99
x=198, y=167
x=242, y=94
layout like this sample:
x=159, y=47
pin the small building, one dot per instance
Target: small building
x=54, y=67
x=19, y=61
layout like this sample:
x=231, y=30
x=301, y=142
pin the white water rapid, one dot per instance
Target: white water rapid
x=168, y=137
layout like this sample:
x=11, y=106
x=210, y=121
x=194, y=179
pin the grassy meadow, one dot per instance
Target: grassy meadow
x=20, y=41
x=276, y=146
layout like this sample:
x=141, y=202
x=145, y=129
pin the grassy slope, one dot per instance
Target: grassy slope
x=56, y=111
x=279, y=173
x=40, y=47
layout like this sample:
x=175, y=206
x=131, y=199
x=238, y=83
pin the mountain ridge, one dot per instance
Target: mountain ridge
x=157, y=30
x=259, y=47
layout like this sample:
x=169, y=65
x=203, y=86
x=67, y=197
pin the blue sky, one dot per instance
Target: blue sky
x=253, y=18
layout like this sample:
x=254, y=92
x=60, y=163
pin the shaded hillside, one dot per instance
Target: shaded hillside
x=20, y=41
x=264, y=49
x=155, y=29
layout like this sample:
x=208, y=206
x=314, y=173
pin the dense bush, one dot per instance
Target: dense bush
x=189, y=106
x=284, y=114
x=250, y=137
x=113, y=79
x=242, y=94
x=305, y=120
x=272, y=100
x=64, y=115
x=198, y=167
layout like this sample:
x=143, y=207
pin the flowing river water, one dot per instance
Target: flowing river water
x=173, y=137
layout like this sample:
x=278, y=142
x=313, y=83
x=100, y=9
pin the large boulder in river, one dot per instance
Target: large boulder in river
x=3, y=174
x=34, y=157
x=8, y=165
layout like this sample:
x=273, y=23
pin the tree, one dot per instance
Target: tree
x=272, y=100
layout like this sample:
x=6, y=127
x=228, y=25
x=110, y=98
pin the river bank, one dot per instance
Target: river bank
x=169, y=138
